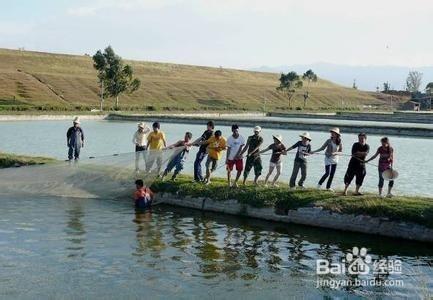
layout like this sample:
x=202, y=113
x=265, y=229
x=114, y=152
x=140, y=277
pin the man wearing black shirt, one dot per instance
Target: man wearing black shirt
x=201, y=154
x=356, y=166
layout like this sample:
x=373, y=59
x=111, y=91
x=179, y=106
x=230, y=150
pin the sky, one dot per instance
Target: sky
x=228, y=33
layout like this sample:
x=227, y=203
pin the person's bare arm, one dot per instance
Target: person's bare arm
x=373, y=157
x=321, y=148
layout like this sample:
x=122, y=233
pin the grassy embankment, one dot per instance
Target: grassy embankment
x=12, y=160
x=34, y=81
x=402, y=208
x=410, y=209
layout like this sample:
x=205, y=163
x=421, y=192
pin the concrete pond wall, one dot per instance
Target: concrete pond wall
x=384, y=128
x=311, y=216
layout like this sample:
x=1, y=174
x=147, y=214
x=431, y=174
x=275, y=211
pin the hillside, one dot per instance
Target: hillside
x=44, y=81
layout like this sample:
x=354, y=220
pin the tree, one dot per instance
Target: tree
x=386, y=87
x=413, y=81
x=288, y=84
x=429, y=88
x=310, y=76
x=100, y=64
x=114, y=75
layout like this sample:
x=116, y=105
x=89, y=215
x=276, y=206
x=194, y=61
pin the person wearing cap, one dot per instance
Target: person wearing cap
x=139, y=139
x=386, y=160
x=202, y=151
x=356, y=167
x=275, y=162
x=156, y=142
x=253, y=155
x=333, y=148
x=75, y=139
x=216, y=144
x=303, y=151
x=235, y=143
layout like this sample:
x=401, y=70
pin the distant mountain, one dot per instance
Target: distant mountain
x=367, y=77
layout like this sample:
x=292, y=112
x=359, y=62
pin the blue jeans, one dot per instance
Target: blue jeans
x=198, y=175
x=74, y=152
x=177, y=164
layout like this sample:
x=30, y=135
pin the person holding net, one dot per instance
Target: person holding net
x=140, y=141
x=215, y=146
x=356, y=167
x=276, y=162
x=386, y=160
x=156, y=142
x=178, y=160
x=253, y=155
x=143, y=196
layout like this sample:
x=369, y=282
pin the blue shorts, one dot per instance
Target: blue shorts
x=141, y=204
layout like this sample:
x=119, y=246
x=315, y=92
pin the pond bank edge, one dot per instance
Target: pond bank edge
x=310, y=216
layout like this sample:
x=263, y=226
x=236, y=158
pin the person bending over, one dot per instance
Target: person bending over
x=178, y=161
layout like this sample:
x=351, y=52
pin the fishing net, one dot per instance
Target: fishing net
x=100, y=177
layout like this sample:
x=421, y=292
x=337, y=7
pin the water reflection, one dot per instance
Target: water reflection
x=75, y=230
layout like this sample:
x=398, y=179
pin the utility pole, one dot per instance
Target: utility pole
x=264, y=104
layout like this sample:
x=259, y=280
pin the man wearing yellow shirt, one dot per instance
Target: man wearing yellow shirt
x=156, y=142
x=215, y=146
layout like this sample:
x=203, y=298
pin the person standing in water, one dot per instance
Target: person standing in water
x=356, y=167
x=334, y=148
x=235, y=143
x=75, y=139
x=386, y=160
x=277, y=150
x=253, y=156
x=303, y=151
x=202, y=152
x=140, y=141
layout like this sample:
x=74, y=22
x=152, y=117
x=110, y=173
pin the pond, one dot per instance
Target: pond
x=413, y=156
x=54, y=248
x=97, y=248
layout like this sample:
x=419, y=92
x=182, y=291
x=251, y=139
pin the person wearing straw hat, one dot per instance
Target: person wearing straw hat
x=75, y=139
x=386, y=160
x=303, y=151
x=139, y=139
x=275, y=162
x=333, y=148
x=356, y=167
x=253, y=155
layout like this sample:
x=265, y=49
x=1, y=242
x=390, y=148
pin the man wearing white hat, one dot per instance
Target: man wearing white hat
x=303, y=151
x=140, y=141
x=253, y=157
x=75, y=139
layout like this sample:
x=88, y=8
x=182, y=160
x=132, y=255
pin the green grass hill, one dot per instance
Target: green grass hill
x=44, y=81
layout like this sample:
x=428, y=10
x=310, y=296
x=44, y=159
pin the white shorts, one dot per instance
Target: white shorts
x=278, y=164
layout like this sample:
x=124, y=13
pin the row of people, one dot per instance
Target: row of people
x=211, y=145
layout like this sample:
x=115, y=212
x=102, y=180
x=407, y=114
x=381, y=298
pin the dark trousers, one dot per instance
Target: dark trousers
x=381, y=180
x=352, y=171
x=74, y=152
x=198, y=175
x=298, y=165
x=329, y=171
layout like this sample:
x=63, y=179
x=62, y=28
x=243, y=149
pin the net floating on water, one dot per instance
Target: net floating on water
x=96, y=177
